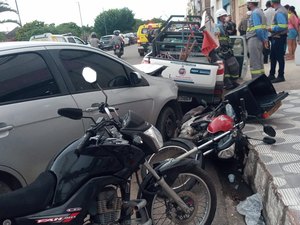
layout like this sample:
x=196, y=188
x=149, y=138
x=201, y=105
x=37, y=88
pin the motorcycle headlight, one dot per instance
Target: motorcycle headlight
x=155, y=136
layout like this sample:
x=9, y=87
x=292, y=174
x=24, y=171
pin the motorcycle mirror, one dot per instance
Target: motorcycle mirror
x=269, y=140
x=89, y=74
x=72, y=113
x=269, y=131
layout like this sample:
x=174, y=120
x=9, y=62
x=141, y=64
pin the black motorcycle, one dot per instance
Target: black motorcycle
x=89, y=181
x=118, y=50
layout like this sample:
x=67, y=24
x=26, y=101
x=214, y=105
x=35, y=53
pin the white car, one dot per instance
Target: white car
x=126, y=39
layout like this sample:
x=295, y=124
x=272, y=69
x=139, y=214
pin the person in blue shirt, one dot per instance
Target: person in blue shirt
x=257, y=38
x=279, y=32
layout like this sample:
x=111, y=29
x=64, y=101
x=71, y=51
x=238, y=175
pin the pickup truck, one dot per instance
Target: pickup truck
x=178, y=47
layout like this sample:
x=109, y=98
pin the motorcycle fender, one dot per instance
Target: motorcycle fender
x=169, y=171
x=198, y=156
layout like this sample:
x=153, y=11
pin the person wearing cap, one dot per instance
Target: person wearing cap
x=279, y=32
x=257, y=38
x=231, y=65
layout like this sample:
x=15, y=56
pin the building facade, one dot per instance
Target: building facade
x=236, y=8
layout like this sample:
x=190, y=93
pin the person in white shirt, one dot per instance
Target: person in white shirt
x=269, y=13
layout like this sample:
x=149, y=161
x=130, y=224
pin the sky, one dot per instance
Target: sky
x=64, y=11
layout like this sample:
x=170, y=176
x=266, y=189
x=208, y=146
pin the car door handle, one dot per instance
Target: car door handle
x=5, y=128
x=92, y=109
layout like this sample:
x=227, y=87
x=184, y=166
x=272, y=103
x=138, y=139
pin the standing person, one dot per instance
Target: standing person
x=257, y=38
x=279, y=32
x=269, y=13
x=230, y=26
x=231, y=65
x=244, y=24
x=94, y=41
x=293, y=26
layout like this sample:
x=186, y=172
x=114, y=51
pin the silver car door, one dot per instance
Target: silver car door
x=31, y=131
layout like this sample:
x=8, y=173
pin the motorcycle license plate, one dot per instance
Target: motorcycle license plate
x=185, y=98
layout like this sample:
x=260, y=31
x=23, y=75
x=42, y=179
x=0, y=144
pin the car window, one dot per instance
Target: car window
x=78, y=41
x=71, y=40
x=25, y=76
x=111, y=74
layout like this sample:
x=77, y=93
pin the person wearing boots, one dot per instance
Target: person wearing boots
x=231, y=65
x=279, y=32
x=257, y=38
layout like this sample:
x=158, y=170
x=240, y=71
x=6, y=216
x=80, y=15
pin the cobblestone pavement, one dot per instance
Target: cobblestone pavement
x=282, y=159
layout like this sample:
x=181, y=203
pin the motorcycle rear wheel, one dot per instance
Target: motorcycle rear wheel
x=196, y=189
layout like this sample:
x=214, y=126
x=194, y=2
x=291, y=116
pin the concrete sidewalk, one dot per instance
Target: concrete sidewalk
x=274, y=170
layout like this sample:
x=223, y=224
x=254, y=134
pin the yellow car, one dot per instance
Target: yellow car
x=142, y=34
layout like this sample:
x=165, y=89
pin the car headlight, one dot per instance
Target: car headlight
x=155, y=135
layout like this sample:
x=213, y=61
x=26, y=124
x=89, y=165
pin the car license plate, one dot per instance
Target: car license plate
x=184, y=98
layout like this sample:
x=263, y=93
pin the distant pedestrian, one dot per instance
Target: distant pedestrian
x=279, y=32
x=257, y=38
x=244, y=24
x=230, y=26
x=293, y=27
x=269, y=13
x=94, y=41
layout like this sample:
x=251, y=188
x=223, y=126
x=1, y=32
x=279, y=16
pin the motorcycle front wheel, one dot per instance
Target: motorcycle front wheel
x=196, y=189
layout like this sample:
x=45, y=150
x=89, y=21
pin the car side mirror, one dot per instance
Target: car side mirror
x=135, y=77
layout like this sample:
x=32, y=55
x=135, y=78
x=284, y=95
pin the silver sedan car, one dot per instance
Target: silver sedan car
x=38, y=78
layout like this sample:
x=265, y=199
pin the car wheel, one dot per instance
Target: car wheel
x=166, y=123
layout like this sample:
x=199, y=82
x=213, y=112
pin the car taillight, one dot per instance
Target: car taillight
x=220, y=70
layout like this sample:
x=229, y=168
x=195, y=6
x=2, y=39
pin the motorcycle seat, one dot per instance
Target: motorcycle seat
x=30, y=199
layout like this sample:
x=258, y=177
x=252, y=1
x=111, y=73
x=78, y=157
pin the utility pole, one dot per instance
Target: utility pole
x=18, y=12
x=80, y=14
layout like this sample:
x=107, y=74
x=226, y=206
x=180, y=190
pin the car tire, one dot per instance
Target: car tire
x=167, y=123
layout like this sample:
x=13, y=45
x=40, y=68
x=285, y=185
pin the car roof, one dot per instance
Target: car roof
x=25, y=44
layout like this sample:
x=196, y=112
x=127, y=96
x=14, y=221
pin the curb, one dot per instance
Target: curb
x=261, y=181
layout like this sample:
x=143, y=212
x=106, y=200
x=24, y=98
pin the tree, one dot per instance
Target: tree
x=4, y=7
x=34, y=28
x=114, y=19
x=69, y=28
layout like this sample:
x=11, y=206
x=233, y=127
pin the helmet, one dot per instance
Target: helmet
x=275, y=1
x=116, y=32
x=253, y=1
x=220, y=123
x=221, y=12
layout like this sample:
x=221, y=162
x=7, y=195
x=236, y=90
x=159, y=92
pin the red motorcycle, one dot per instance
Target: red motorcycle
x=218, y=132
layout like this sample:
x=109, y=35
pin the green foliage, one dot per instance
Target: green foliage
x=34, y=28
x=114, y=19
x=69, y=28
x=4, y=7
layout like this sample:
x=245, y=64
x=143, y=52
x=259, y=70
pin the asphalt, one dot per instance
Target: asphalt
x=274, y=170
